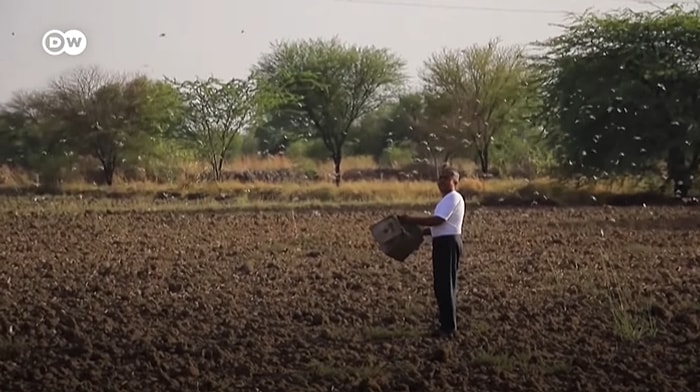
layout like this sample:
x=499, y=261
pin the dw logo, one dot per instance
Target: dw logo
x=72, y=42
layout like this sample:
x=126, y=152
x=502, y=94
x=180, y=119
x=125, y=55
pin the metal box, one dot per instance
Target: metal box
x=395, y=239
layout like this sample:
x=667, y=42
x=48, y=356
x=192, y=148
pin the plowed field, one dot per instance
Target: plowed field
x=550, y=300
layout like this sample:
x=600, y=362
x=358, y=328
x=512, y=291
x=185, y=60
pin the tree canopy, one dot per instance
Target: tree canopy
x=614, y=95
x=486, y=87
x=336, y=85
x=620, y=94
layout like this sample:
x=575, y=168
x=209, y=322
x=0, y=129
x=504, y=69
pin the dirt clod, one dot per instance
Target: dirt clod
x=183, y=301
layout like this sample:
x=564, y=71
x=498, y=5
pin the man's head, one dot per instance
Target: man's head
x=448, y=180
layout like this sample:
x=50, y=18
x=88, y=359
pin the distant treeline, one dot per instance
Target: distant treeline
x=614, y=94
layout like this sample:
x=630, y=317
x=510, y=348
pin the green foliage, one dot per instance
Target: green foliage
x=246, y=144
x=87, y=112
x=335, y=84
x=475, y=93
x=165, y=161
x=396, y=156
x=614, y=94
x=387, y=127
x=280, y=128
x=214, y=112
x=313, y=149
x=22, y=136
x=521, y=152
x=620, y=94
x=435, y=122
x=372, y=134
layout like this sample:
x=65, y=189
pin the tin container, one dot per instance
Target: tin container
x=395, y=239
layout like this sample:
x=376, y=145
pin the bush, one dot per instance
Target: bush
x=396, y=156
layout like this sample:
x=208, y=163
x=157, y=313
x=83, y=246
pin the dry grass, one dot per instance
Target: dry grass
x=625, y=323
x=255, y=163
x=150, y=196
x=501, y=191
x=545, y=188
x=16, y=178
x=187, y=172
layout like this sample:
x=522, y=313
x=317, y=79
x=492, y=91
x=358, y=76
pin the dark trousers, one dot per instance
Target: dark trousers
x=447, y=251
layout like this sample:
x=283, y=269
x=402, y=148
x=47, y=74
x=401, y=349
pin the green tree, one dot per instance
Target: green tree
x=279, y=130
x=216, y=111
x=28, y=138
x=118, y=120
x=89, y=112
x=368, y=136
x=20, y=135
x=521, y=151
x=335, y=84
x=435, y=127
x=489, y=89
x=621, y=92
x=378, y=131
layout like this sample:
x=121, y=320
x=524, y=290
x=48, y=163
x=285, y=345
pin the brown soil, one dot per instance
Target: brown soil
x=278, y=301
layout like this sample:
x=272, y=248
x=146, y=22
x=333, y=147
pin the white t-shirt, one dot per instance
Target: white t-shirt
x=450, y=208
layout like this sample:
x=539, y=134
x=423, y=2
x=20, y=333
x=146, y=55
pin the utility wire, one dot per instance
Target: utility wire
x=498, y=9
x=455, y=7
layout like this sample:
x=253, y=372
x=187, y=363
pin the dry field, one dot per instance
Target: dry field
x=589, y=299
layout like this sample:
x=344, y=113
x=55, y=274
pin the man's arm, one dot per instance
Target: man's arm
x=422, y=220
x=443, y=211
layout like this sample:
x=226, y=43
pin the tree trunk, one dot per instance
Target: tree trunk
x=484, y=160
x=215, y=169
x=108, y=168
x=681, y=187
x=108, y=171
x=336, y=161
x=679, y=172
x=220, y=171
x=436, y=165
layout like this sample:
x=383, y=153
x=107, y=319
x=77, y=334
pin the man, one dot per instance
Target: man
x=445, y=227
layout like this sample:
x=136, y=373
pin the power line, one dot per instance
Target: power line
x=504, y=10
x=659, y=2
x=456, y=7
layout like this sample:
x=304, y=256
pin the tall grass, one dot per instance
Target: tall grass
x=188, y=184
x=273, y=163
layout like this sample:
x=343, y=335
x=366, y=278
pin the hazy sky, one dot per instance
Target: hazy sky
x=225, y=37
